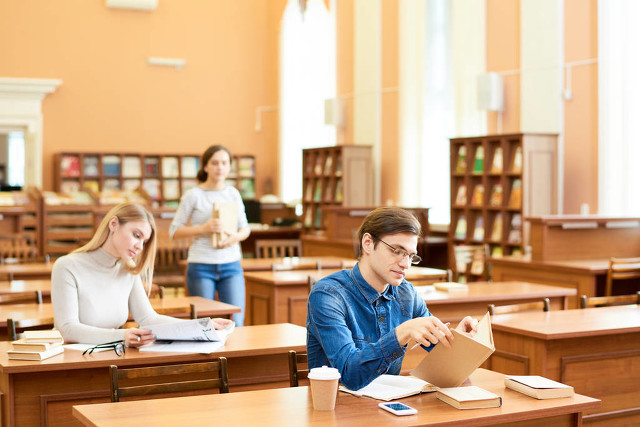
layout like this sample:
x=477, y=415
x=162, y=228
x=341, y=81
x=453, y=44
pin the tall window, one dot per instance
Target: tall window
x=619, y=107
x=16, y=155
x=307, y=78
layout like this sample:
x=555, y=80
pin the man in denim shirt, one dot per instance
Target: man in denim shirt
x=361, y=320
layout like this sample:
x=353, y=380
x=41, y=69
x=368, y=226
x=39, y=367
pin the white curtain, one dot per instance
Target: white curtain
x=619, y=107
x=307, y=78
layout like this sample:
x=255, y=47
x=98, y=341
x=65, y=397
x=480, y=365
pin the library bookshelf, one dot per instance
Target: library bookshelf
x=165, y=177
x=497, y=181
x=20, y=214
x=335, y=176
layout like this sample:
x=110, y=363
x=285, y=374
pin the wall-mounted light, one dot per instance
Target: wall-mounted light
x=133, y=4
x=167, y=62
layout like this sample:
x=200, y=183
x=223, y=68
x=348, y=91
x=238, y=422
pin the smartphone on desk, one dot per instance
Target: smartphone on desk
x=398, y=408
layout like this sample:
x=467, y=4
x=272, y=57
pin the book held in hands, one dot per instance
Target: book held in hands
x=390, y=387
x=450, y=367
x=227, y=212
x=537, y=386
x=471, y=397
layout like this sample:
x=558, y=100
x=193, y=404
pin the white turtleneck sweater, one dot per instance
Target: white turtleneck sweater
x=92, y=295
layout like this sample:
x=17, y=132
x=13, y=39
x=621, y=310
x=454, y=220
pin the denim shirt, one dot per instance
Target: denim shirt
x=351, y=326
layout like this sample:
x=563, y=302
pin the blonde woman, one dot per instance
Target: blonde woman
x=94, y=288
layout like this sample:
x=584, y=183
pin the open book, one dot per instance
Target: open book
x=390, y=387
x=228, y=213
x=446, y=367
x=538, y=387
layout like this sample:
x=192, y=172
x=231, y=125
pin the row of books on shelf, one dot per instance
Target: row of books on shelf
x=324, y=166
x=310, y=220
x=314, y=192
x=495, y=199
x=14, y=198
x=130, y=166
x=478, y=233
x=243, y=167
x=497, y=163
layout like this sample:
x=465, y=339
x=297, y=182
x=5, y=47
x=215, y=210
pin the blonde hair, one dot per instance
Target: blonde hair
x=128, y=212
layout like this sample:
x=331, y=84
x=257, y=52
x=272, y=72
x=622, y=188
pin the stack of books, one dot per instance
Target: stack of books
x=37, y=345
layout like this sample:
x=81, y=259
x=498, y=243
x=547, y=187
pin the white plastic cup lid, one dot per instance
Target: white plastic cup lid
x=324, y=373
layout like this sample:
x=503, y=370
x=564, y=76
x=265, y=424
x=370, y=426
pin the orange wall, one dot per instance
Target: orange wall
x=390, y=146
x=581, y=112
x=503, y=54
x=112, y=100
x=344, y=65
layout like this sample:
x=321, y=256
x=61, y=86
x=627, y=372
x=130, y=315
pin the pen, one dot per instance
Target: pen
x=417, y=344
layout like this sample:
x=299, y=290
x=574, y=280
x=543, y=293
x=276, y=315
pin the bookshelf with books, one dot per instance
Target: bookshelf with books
x=243, y=175
x=335, y=176
x=493, y=188
x=164, y=177
x=20, y=214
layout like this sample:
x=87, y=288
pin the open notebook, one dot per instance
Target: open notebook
x=390, y=387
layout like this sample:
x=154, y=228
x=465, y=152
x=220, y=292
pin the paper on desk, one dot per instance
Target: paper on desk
x=190, y=330
x=203, y=347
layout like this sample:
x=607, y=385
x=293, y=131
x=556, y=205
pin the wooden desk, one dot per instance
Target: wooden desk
x=452, y=307
x=17, y=286
x=298, y=263
x=281, y=296
x=204, y=307
x=596, y=350
x=35, y=270
x=42, y=393
x=587, y=277
x=293, y=406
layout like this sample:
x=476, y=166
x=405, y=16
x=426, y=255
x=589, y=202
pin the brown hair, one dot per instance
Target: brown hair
x=206, y=156
x=387, y=220
x=127, y=212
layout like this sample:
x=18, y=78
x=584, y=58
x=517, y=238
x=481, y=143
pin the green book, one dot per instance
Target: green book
x=479, y=160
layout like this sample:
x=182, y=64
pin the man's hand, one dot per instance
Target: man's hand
x=424, y=330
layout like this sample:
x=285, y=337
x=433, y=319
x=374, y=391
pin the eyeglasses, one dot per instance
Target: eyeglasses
x=401, y=254
x=117, y=346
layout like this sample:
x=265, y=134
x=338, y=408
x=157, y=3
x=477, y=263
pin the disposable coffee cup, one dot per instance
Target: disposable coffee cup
x=324, y=387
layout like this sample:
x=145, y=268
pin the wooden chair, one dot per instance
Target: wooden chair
x=296, y=374
x=17, y=248
x=278, y=248
x=312, y=281
x=191, y=309
x=169, y=253
x=621, y=268
x=13, y=326
x=586, y=302
x=543, y=305
x=217, y=370
x=21, y=297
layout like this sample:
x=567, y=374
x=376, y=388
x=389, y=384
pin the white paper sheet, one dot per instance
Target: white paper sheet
x=203, y=347
x=190, y=330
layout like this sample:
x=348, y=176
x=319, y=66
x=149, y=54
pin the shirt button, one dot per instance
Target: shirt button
x=381, y=319
x=395, y=354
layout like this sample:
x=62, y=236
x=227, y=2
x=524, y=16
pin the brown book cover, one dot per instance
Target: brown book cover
x=450, y=367
x=228, y=213
x=538, y=387
x=471, y=397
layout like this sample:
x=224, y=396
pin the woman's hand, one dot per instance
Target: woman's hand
x=213, y=225
x=228, y=239
x=135, y=337
x=220, y=323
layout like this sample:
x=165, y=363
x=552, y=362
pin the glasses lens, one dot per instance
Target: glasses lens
x=415, y=259
x=119, y=349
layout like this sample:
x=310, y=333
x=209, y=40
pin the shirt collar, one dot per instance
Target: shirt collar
x=103, y=258
x=370, y=294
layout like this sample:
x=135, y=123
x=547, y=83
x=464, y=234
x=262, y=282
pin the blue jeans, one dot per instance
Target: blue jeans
x=228, y=279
